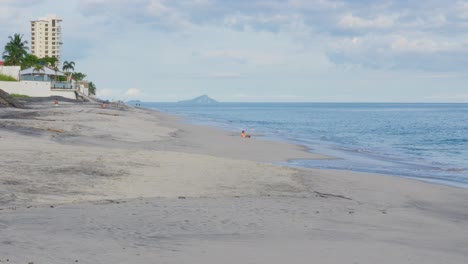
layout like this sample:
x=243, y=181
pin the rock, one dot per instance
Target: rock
x=7, y=101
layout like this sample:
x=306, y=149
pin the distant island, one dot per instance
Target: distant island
x=201, y=100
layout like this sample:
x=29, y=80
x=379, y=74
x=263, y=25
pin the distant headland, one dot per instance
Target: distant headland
x=201, y=100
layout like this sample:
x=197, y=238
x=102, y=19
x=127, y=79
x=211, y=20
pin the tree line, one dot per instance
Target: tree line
x=16, y=54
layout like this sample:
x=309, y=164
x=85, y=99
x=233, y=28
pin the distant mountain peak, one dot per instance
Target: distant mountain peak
x=203, y=99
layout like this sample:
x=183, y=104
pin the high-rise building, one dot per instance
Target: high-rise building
x=46, y=40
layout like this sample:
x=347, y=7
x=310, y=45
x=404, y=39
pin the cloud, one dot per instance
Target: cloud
x=315, y=4
x=462, y=9
x=20, y=3
x=243, y=56
x=441, y=75
x=417, y=51
x=390, y=35
x=106, y=93
x=157, y=8
x=354, y=22
x=190, y=46
x=11, y=11
x=132, y=92
x=423, y=45
x=259, y=21
x=116, y=94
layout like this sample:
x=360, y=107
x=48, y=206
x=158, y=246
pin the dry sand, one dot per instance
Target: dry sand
x=125, y=185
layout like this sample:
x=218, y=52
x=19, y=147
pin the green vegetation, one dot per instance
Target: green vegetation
x=92, y=88
x=38, y=68
x=32, y=61
x=78, y=76
x=19, y=96
x=6, y=78
x=15, y=50
x=16, y=54
x=68, y=66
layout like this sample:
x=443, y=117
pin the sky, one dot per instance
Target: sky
x=260, y=50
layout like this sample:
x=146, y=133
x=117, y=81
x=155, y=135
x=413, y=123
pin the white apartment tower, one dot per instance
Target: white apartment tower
x=46, y=39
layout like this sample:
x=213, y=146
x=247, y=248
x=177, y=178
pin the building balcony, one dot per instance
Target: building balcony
x=61, y=85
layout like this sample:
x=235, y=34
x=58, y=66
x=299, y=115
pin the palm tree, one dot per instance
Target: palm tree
x=15, y=50
x=29, y=61
x=78, y=76
x=92, y=88
x=67, y=66
x=56, y=69
x=38, y=68
x=50, y=62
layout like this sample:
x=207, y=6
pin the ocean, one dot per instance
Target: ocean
x=422, y=141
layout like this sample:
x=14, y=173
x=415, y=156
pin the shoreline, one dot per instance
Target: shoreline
x=128, y=185
x=317, y=155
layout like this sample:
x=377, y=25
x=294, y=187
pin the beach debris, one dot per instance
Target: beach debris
x=328, y=195
x=112, y=201
x=181, y=197
x=107, y=114
x=55, y=130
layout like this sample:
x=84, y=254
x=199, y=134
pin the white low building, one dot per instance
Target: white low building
x=40, y=83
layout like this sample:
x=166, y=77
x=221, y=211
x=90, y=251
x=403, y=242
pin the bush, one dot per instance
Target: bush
x=7, y=78
x=19, y=96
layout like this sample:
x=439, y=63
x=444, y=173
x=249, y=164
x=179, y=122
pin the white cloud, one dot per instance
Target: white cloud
x=106, y=93
x=461, y=9
x=315, y=4
x=192, y=46
x=157, y=8
x=20, y=3
x=243, y=56
x=355, y=22
x=114, y=94
x=132, y=92
x=423, y=45
x=241, y=20
x=440, y=75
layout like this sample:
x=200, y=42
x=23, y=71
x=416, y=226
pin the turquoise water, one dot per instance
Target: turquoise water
x=423, y=141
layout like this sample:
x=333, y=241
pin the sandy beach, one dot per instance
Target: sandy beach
x=79, y=183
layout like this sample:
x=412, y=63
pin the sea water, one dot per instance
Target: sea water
x=422, y=141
